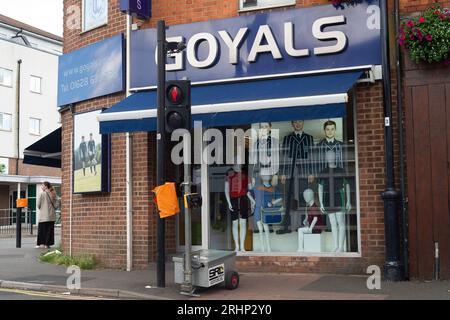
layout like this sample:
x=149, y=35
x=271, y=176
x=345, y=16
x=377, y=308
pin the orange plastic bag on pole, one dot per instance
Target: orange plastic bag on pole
x=166, y=200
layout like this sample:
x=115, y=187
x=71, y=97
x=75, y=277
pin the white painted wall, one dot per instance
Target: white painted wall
x=42, y=106
x=37, y=41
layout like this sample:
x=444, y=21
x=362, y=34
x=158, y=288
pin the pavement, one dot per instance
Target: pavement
x=20, y=269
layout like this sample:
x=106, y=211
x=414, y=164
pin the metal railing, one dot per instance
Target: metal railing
x=8, y=221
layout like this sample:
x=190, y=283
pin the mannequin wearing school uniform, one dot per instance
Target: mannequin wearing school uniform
x=313, y=222
x=237, y=195
x=298, y=168
x=334, y=200
x=264, y=157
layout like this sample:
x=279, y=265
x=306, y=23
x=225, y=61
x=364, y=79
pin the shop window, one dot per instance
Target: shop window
x=294, y=191
x=5, y=77
x=262, y=4
x=35, y=84
x=95, y=14
x=35, y=126
x=5, y=121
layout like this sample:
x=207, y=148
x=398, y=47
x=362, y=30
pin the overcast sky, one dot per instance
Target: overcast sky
x=43, y=14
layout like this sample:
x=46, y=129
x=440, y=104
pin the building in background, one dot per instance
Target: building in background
x=28, y=92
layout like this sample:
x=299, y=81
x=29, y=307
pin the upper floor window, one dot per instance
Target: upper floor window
x=261, y=4
x=35, y=126
x=5, y=121
x=35, y=84
x=95, y=14
x=5, y=77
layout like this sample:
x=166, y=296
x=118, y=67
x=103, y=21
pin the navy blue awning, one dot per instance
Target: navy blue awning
x=46, y=151
x=307, y=97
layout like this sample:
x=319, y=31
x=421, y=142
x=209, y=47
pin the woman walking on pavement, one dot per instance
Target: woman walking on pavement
x=47, y=204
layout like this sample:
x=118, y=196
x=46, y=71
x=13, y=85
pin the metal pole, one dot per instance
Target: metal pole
x=129, y=176
x=187, y=285
x=18, y=221
x=19, y=64
x=160, y=138
x=392, y=267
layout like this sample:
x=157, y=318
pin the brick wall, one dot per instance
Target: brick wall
x=31, y=170
x=410, y=6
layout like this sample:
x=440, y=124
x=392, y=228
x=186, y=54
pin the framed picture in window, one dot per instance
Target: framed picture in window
x=95, y=14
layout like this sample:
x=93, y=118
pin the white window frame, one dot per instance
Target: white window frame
x=99, y=24
x=265, y=4
x=11, y=72
x=32, y=84
x=31, y=127
x=3, y=121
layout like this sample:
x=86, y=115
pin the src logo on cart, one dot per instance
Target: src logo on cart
x=216, y=274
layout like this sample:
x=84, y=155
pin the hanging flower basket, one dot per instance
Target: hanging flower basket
x=427, y=37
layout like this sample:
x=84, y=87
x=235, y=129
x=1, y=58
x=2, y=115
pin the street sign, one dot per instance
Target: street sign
x=142, y=8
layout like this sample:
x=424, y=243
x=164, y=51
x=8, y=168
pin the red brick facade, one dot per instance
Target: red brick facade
x=99, y=221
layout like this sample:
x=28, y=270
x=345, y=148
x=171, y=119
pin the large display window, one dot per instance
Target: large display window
x=292, y=190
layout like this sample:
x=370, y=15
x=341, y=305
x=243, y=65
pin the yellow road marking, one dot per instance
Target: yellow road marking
x=50, y=295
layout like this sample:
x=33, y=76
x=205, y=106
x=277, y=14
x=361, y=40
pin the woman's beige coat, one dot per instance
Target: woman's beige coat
x=47, y=211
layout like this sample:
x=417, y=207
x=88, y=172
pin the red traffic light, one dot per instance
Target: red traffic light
x=174, y=94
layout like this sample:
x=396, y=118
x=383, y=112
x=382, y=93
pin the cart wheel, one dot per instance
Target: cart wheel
x=231, y=280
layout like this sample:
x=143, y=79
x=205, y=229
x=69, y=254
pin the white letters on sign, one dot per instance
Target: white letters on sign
x=264, y=43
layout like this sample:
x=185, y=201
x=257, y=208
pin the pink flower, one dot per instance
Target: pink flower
x=401, y=42
x=429, y=37
x=418, y=33
x=421, y=20
x=410, y=23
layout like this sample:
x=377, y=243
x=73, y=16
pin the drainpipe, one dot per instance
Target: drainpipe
x=19, y=63
x=393, y=270
x=129, y=177
x=404, y=202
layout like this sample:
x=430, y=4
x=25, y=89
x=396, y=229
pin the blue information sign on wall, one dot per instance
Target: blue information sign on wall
x=261, y=45
x=142, y=8
x=92, y=71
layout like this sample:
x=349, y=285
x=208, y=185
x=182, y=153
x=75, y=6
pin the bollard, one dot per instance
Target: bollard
x=20, y=203
x=18, y=227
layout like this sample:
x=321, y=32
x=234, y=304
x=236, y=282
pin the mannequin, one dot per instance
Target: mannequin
x=236, y=193
x=330, y=144
x=334, y=199
x=298, y=168
x=264, y=155
x=313, y=220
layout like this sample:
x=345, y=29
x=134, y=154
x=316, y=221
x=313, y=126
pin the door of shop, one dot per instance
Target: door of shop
x=427, y=112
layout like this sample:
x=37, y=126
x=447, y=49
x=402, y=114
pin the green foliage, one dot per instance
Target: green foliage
x=427, y=37
x=84, y=261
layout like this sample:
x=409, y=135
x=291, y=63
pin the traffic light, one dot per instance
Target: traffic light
x=178, y=105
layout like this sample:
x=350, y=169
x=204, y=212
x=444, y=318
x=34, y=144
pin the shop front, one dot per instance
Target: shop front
x=287, y=138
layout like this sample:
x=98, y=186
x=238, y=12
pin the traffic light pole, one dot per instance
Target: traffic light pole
x=160, y=146
x=187, y=288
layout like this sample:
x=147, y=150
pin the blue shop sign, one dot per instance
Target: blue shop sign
x=142, y=8
x=92, y=71
x=261, y=45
